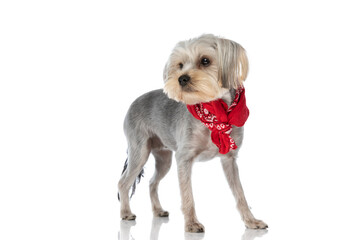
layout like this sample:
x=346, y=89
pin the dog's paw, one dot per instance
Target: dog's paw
x=255, y=224
x=128, y=216
x=161, y=213
x=194, y=227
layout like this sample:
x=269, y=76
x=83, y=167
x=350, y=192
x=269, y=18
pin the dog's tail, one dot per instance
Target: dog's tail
x=137, y=180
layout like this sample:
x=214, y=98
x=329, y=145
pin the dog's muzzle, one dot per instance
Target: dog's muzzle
x=184, y=79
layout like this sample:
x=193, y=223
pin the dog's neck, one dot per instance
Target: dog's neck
x=228, y=96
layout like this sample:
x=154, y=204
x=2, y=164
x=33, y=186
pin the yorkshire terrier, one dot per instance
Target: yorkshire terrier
x=199, y=115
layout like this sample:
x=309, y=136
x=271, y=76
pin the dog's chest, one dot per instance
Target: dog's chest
x=207, y=150
x=207, y=154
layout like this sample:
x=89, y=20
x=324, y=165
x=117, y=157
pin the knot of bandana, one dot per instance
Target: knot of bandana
x=219, y=118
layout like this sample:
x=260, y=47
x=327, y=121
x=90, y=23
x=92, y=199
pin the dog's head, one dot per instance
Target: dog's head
x=204, y=68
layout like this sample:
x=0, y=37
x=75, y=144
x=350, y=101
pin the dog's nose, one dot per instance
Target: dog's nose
x=184, y=79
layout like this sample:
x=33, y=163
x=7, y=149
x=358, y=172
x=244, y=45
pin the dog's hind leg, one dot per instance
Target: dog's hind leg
x=138, y=155
x=162, y=167
x=232, y=175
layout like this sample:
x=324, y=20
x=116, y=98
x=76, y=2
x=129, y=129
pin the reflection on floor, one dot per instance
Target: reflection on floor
x=125, y=233
x=155, y=226
x=251, y=234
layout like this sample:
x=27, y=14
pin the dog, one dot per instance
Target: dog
x=203, y=77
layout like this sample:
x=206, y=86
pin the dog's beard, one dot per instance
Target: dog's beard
x=202, y=87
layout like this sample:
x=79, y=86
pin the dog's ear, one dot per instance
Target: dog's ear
x=233, y=63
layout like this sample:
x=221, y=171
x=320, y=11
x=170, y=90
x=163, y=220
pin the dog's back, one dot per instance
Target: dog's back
x=152, y=115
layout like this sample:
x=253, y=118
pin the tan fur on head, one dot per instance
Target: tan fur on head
x=203, y=87
x=228, y=69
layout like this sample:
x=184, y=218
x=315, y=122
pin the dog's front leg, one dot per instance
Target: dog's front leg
x=232, y=175
x=184, y=173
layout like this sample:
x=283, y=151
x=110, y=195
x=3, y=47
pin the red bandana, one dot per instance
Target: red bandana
x=218, y=117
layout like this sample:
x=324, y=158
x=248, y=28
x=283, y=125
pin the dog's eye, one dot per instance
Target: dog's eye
x=205, y=62
x=181, y=65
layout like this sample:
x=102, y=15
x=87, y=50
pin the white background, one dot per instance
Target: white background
x=70, y=69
